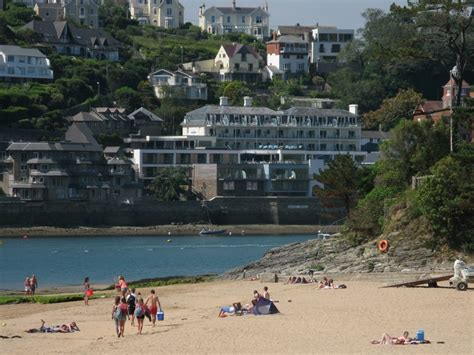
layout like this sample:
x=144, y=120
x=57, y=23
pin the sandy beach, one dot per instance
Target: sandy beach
x=311, y=321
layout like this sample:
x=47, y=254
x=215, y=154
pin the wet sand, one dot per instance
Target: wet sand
x=311, y=321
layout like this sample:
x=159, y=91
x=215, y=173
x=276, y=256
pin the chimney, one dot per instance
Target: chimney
x=247, y=101
x=223, y=101
x=354, y=109
x=234, y=5
x=274, y=34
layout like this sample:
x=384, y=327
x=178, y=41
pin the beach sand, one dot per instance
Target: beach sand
x=315, y=321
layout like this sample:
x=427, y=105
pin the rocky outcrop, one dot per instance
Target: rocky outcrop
x=337, y=255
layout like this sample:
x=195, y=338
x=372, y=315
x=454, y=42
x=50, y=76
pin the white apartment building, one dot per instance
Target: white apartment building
x=160, y=13
x=221, y=20
x=235, y=134
x=18, y=63
x=327, y=42
x=180, y=83
x=289, y=54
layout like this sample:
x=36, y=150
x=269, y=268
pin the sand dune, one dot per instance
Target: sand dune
x=315, y=321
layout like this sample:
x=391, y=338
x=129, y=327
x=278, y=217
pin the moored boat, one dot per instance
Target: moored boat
x=211, y=231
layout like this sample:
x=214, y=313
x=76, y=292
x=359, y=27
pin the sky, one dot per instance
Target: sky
x=340, y=13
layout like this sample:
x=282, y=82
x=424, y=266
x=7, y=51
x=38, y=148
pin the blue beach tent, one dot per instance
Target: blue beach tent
x=264, y=306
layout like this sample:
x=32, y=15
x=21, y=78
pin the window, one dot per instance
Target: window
x=169, y=11
x=169, y=2
x=322, y=134
x=92, y=11
x=351, y=135
x=154, y=11
x=244, y=57
x=46, y=14
x=301, y=67
x=258, y=19
x=323, y=146
x=23, y=167
x=252, y=186
x=229, y=185
x=321, y=48
x=11, y=58
x=82, y=11
x=23, y=157
x=237, y=66
x=287, y=66
x=250, y=67
x=345, y=37
x=243, y=19
x=228, y=19
x=213, y=19
x=336, y=48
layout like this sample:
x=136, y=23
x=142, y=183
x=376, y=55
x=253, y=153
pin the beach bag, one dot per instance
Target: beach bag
x=118, y=313
x=89, y=292
x=139, y=312
x=131, y=300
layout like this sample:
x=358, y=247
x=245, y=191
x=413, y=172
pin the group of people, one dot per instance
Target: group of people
x=237, y=307
x=63, y=328
x=130, y=306
x=31, y=284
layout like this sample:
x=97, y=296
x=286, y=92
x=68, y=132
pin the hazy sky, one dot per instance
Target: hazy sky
x=341, y=13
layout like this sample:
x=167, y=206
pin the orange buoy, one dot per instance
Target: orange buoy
x=383, y=245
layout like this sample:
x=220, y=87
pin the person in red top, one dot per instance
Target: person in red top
x=123, y=306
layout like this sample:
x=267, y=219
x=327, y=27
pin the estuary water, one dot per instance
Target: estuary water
x=65, y=261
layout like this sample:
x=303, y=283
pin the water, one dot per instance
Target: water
x=65, y=261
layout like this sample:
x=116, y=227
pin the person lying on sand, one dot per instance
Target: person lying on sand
x=387, y=339
x=236, y=307
x=64, y=328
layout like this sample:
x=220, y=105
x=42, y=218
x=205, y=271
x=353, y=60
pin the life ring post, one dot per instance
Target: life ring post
x=383, y=245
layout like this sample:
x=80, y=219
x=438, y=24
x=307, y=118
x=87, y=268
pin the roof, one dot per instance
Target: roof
x=366, y=134
x=274, y=70
x=235, y=48
x=170, y=73
x=112, y=150
x=236, y=10
x=199, y=115
x=49, y=5
x=143, y=111
x=45, y=146
x=318, y=112
x=85, y=117
x=78, y=132
x=452, y=82
x=430, y=106
x=55, y=31
x=288, y=39
x=15, y=50
x=297, y=29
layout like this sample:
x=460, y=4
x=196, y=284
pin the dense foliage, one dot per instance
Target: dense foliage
x=169, y=184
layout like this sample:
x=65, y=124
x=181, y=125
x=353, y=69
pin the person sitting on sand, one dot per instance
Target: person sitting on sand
x=236, y=307
x=324, y=282
x=64, y=328
x=266, y=294
x=291, y=280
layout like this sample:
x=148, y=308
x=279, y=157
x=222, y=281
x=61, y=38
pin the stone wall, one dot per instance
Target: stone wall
x=259, y=210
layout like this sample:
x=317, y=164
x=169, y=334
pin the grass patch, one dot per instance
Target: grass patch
x=165, y=281
x=46, y=299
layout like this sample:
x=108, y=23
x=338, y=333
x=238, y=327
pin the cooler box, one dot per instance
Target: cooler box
x=160, y=315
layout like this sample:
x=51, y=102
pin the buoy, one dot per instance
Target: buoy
x=25, y=237
x=168, y=241
x=169, y=233
x=383, y=245
x=230, y=233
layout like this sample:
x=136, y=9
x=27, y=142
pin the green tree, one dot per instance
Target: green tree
x=128, y=98
x=412, y=149
x=235, y=91
x=168, y=184
x=393, y=110
x=446, y=199
x=338, y=183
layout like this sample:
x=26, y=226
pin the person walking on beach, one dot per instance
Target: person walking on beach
x=131, y=301
x=154, y=305
x=27, y=286
x=117, y=315
x=139, y=313
x=33, y=284
x=87, y=291
x=123, y=285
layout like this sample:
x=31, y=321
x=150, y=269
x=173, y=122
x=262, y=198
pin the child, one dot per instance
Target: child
x=266, y=294
x=116, y=315
x=140, y=314
x=131, y=301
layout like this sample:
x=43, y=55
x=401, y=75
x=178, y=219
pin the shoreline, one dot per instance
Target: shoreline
x=162, y=230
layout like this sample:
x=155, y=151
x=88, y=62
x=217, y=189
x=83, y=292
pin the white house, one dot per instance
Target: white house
x=23, y=64
x=161, y=13
x=183, y=84
x=328, y=41
x=232, y=62
x=289, y=54
x=221, y=20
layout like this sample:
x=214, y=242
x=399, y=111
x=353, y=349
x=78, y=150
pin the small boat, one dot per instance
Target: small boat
x=211, y=231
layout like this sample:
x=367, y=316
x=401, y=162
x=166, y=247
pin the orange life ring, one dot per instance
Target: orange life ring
x=383, y=245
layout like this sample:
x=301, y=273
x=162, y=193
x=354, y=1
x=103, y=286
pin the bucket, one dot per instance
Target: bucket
x=160, y=315
x=420, y=335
